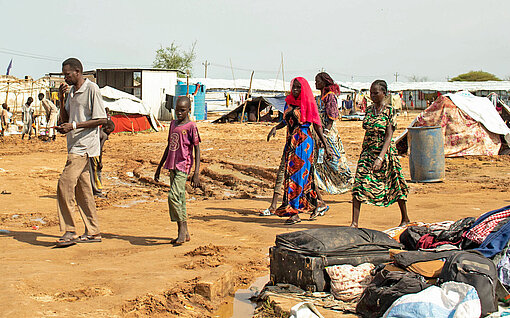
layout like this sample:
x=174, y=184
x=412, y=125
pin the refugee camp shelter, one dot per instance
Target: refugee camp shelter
x=128, y=112
x=470, y=125
x=15, y=92
x=151, y=85
x=255, y=110
x=223, y=95
x=419, y=93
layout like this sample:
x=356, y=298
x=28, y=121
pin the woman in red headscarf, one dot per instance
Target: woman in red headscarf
x=300, y=193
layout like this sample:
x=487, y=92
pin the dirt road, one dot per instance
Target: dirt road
x=135, y=270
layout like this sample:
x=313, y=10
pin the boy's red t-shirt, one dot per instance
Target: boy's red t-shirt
x=181, y=140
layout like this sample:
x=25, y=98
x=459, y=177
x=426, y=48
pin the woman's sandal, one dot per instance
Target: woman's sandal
x=68, y=239
x=292, y=220
x=319, y=212
x=266, y=212
x=85, y=238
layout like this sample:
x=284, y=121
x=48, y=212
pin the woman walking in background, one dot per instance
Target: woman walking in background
x=379, y=179
x=333, y=175
x=300, y=193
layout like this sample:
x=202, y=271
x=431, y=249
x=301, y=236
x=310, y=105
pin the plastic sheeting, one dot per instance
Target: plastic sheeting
x=463, y=135
x=304, y=310
x=130, y=122
x=122, y=102
x=482, y=110
x=451, y=300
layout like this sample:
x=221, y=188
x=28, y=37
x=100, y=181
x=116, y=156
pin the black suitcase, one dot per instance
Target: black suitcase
x=299, y=258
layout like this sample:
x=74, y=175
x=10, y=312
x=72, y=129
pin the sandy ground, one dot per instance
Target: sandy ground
x=135, y=271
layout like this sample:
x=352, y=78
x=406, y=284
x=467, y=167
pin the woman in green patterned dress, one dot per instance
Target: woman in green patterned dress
x=379, y=179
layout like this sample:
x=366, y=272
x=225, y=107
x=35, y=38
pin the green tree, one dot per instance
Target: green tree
x=475, y=76
x=415, y=78
x=174, y=58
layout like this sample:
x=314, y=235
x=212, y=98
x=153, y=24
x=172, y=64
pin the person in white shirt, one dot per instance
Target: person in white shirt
x=51, y=115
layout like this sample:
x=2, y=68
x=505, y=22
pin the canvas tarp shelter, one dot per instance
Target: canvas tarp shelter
x=253, y=108
x=470, y=124
x=130, y=113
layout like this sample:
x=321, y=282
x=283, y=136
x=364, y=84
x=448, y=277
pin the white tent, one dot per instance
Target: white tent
x=122, y=102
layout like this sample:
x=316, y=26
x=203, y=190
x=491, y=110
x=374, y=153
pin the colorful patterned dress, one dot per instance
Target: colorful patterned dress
x=332, y=175
x=387, y=185
x=299, y=188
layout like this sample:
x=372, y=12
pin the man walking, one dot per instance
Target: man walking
x=81, y=114
x=51, y=115
x=4, y=119
x=27, y=114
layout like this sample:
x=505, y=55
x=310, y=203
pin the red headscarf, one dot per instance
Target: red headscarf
x=305, y=101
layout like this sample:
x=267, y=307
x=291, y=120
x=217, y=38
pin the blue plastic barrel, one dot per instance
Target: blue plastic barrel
x=426, y=159
x=200, y=112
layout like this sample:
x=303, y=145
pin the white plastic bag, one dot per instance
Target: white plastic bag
x=304, y=310
x=451, y=300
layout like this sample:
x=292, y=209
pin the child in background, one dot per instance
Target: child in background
x=183, y=137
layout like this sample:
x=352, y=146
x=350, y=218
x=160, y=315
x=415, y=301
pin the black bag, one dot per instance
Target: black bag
x=412, y=235
x=387, y=287
x=472, y=268
x=299, y=258
x=454, y=233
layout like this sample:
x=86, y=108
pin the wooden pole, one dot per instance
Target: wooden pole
x=277, y=75
x=251, y=79
x=233, y=78
x=187, y=83
x=205, y=65
x=258, y=112
x=7, y=93
x=249, y=92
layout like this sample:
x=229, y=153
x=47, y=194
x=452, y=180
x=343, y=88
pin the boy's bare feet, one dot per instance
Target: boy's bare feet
x=355, y=225
x=183, y=234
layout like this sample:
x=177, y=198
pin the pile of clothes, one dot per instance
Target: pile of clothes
x=447, y=269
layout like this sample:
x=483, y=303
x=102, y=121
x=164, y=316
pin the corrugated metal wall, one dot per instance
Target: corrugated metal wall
x=119, y=79
x=155, y=86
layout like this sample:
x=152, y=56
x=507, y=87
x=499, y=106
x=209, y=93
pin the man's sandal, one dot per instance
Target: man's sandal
x=68, y=239
x=85, y=238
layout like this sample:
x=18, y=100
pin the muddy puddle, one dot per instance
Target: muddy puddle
x=240, y=305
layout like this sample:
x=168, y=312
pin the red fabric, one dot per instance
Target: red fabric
x=130, y=122
x=480, y=232
x=305, y=101
x=333, y=88
x=429, y=241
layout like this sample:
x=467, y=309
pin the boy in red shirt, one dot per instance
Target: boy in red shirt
x=183, y=137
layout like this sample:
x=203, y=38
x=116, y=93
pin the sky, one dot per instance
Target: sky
x=358, y=40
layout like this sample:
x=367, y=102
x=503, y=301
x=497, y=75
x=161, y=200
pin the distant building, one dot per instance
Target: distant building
x=151, y=85
x=421, y=92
